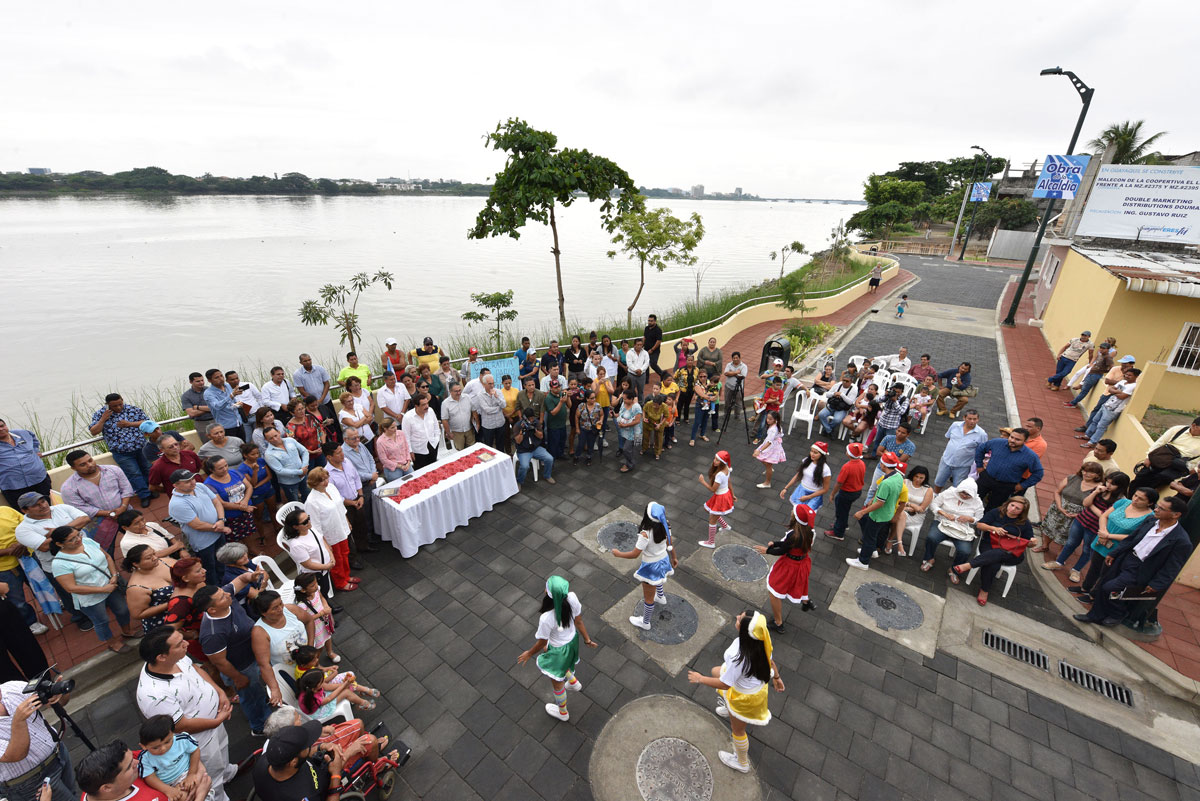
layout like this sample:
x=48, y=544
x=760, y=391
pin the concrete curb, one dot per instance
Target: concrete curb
x=1169, y=680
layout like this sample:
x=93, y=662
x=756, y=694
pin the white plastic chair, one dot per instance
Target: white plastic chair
x=925, y=419
x=1008, y=571
x=805, y=410
x=533, y=466
x=913, y=529
x=881, y=379
x=285, y=680
x=286, y=589
x=858, y=362
x=280, y=516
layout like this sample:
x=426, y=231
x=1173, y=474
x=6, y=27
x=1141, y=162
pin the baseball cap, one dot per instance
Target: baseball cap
x=803, y=514
x=287, y=744
x=1126, y=359
x=428, y=340
x=473, y=351
x=779, y=362
x=890, y=459
x=854, y=450
x=1086, y=334
x=28, y=499
x=182, y=475
x=146, y=426
x=390, y=341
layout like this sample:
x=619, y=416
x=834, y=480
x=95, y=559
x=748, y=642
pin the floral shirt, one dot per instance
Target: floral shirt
x=122, y=439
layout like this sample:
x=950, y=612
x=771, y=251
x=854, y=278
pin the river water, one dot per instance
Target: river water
x=119, y=293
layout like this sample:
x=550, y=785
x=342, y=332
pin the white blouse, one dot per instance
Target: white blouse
x=328, y=512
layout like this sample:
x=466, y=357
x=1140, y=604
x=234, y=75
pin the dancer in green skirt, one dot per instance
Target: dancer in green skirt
x=557, y=646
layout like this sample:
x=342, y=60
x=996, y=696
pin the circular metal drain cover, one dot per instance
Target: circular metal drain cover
x=622, y=536
x=670, y=769
x=740, y=563
x=673, y=623
x=890, y=607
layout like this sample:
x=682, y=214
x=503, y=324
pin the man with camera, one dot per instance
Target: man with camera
x=527, y=434
x=294, y=766
x=31, y=752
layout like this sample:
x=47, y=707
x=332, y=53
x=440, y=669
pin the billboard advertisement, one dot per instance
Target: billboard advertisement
x=1132, y=201
x=1061, y=176
x=981, y=191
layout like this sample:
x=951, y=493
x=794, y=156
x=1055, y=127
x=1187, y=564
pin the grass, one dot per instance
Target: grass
x=162, y=402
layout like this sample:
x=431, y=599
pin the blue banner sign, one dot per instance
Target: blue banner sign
x=981, y=191
x=1061, y=176
x=499, y=368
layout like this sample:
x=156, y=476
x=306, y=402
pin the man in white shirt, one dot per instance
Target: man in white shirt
x=1111, y=409
x=474, y=387
x=896, y=362
x=169, y=684
x=392, y=397
x=554, y=377
x=464, y=372
x=734, y=370
x=421, y=430
x=459, y=418
x=1144, y=564
x=32, y=755
x=34, y=533
x=249, y=402
x=489, y=406
x=637, y=362
x=276, y=393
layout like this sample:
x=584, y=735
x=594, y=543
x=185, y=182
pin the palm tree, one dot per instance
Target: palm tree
x=1131, y=147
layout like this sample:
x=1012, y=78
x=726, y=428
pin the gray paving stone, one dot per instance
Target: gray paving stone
x=489, y=776
x=465, y=754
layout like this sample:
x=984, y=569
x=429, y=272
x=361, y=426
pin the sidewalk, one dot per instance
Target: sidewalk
x=1030, y=361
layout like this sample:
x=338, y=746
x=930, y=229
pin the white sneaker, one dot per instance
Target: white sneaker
x=726, y=527
x=637, y=621
x=577, y=687
x=707, y=544
x=763, y=486
x=660, y=600
x=731, y=761
x=38, y=628
x=722, y=710
x=552, y=711
x=853, y=562
x=875, y=555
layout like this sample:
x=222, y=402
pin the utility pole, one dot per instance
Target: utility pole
x=987, y=166
x=963, y=207
x=1085, y=95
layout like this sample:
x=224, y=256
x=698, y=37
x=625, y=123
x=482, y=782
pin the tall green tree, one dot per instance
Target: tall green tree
x=538, y=176
x=658, y=238
x=784, y=252
x=1133, y=147
x=498, y=305
x=339, y=303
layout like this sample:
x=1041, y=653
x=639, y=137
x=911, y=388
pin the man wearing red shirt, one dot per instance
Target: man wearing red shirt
x=922, y=370
x=173, y=458
x=109, y=774
x=849, y=487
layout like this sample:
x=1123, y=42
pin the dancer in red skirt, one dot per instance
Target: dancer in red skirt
x=722, y=500
x=789, y=575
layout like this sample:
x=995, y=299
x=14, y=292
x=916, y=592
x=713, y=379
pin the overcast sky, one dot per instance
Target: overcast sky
x=780, y=98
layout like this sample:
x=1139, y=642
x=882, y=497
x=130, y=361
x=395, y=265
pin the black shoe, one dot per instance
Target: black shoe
x=1085, y=598
x=1083, y=618
x=807, y=606
x=1077, y=590
x=1111, y=621
x=369, y=548
x=355, y=564
x=1081, y=429
x=775, y=627
x=337, y=610
x=146, y=503
x=85, y=624
x=258, y=734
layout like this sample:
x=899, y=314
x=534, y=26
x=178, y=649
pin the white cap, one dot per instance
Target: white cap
x=779, y=361
x=390, y=341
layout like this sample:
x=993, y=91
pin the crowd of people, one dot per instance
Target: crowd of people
x=282, y=457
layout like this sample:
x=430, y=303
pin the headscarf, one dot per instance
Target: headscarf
x=724, y=457
x=968, y=486
x=758, y=630
x=658, y=512
x=557, y=588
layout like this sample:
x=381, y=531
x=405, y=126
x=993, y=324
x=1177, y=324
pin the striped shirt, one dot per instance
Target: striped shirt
x=41, y=744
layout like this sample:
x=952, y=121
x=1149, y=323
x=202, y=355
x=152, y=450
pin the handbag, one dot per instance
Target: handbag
x=837, y=403
x=1013, y=545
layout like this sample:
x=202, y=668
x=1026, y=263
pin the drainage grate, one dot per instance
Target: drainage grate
x=1097, y=684
x=1017, y=651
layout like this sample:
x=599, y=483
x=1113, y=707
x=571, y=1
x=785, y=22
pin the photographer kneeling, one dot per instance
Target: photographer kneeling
x=30, y=750
x=293, y=766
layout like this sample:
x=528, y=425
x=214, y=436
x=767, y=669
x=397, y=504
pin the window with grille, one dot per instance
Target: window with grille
x=1186, y=356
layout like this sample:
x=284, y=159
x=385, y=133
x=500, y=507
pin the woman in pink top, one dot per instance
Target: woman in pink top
x=392, y=449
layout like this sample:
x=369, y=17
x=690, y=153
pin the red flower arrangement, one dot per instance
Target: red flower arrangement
x=439, y=474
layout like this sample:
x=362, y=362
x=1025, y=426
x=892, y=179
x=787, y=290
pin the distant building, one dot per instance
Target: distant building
x=737, y=191
x=395, y=184
x=675, y=190
x=39, y=170
x=698, y=191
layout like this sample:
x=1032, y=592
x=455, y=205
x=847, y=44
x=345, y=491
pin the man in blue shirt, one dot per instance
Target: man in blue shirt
x=120, y=422
x=1008, y=459
x=364, y=462
x=221, y=400
x=956, y=384
x=520, y=352
x=965, y=436
x=313, y=379
x=199, y=512
x=21, y=468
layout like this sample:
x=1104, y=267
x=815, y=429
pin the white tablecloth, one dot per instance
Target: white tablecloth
x=434, y=513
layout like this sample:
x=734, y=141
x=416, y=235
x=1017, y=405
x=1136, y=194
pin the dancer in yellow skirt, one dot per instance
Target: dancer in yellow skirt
x=741, y=684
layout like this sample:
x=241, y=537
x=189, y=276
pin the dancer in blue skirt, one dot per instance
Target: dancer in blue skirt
x=658, y=561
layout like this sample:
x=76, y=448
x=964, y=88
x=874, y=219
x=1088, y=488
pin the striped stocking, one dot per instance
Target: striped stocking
x=560, y=697
x=712, y=535
x=647, y=612
x=741, y=746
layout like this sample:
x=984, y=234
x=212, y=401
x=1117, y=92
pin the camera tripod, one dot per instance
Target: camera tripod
x=739, y=399
x=67, y=720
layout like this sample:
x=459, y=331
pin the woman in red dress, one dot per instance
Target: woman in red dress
x=722, y=500
x=789, y=575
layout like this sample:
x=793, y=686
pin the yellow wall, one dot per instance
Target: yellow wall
x=1082, y=295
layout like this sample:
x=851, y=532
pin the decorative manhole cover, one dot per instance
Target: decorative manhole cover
x=673, y=622
x=740, y=563
x=670, y=769
x=622, y=536
x=890, y=608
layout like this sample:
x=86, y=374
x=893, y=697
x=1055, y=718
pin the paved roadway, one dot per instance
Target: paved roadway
x=862, y=718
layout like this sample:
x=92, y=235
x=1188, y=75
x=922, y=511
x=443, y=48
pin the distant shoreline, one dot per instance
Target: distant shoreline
x=70, y=192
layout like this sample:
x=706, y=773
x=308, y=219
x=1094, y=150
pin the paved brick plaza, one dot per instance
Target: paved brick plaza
x=862, y=717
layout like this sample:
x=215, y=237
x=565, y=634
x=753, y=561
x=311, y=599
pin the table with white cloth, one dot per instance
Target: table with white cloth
x=433, y=513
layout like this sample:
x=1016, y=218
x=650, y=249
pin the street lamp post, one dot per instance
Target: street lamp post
x=987, y=165
x=963, y=207
x=1085, y=95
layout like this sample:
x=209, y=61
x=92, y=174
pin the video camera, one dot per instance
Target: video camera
x=47, y=686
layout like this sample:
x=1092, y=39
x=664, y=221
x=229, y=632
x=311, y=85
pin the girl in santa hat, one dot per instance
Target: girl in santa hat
x=811, y=479
x=721, y=503
x=657, y=552
x=789, y=576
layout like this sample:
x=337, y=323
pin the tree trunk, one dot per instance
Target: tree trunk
x=562, y=307
x=641, y=284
